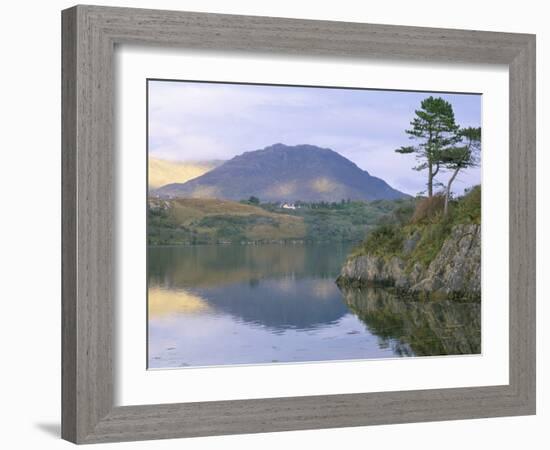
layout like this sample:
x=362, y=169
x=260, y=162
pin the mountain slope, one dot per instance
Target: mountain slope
x=162, y=172
x=286, y=173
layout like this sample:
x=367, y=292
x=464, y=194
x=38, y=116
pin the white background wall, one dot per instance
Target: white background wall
x=30, y=224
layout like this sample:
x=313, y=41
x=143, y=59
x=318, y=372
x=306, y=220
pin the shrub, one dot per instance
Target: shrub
x=428, y=209
x=468, y=208
x=403, y=213
x=432, y=238
x=385, y=240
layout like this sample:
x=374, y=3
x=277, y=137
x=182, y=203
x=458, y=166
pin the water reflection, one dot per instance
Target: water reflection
x=166, y=302
x=215, y=305
x=216, y=265
x=418, y=328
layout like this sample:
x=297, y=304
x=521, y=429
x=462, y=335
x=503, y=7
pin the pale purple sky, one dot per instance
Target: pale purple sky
x=193, y=121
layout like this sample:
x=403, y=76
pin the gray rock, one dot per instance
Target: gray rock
x=410, y=243
x=454, y=273
x=374, y=270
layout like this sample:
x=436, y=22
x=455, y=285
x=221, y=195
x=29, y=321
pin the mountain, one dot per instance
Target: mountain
x=285, y=173
x=162, y=172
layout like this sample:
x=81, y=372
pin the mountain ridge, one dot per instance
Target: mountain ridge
x=285, y=173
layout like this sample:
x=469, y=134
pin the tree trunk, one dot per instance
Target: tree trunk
x=448, y=191
x=431, y=175
x=430, y=180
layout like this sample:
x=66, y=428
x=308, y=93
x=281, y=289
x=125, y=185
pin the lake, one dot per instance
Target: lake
x=258, y=304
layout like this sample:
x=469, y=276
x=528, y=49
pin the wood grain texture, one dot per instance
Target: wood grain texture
x=89, y=36
x=68, y=226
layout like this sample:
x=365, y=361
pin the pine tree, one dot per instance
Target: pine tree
x=435, y=130
x=459, y=157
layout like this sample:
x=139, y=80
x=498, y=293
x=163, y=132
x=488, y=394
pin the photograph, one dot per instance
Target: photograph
x=298, y=224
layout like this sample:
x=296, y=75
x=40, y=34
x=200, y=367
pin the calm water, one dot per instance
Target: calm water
x=239, y=304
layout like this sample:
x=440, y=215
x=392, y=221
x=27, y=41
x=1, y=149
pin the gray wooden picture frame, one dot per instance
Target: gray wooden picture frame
x=90, y=34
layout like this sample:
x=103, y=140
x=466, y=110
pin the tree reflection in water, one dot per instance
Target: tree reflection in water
x=417, y=328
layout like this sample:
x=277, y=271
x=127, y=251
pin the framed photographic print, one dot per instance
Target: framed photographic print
x=256, y=209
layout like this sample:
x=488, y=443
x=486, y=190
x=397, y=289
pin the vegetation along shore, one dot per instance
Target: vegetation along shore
x=432, y=255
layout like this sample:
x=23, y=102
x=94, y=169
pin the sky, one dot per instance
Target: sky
x=194, y=121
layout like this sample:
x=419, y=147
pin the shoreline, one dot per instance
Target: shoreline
x=258, y=243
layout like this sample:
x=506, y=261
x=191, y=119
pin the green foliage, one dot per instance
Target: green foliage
x=226, y=220
x=225, y=227
x=207, y=230
x=430, y=227
x=432, y=238
x=434, y=129
x=161, y=228
x=347, y=221
x=464, y=154
x=385, y=240
x=468, y=208
x=344, y=221
x=434, y=125
x=400, y=214
x=403, y=213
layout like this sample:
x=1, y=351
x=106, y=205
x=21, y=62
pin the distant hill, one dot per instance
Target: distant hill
x=212, y=221
x=162, y=172
x=285, y=173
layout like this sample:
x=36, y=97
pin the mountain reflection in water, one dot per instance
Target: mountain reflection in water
x=218, y=305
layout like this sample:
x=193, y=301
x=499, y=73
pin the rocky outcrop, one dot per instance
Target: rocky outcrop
x=455, y=272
